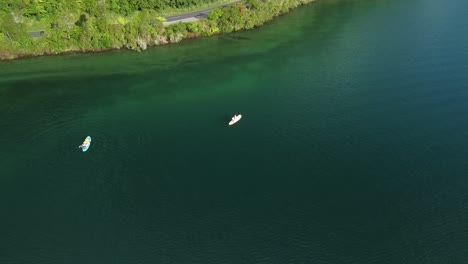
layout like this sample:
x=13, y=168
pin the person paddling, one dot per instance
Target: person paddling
x=235, y=119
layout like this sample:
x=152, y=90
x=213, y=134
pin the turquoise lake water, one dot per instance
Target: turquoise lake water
x=353, y=147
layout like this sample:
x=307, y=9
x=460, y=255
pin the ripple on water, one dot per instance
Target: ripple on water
x=140, y=136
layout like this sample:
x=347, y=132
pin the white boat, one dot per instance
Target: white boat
x=86, y=143
x=235, y=119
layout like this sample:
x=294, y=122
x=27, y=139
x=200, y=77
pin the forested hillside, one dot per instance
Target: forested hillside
x=46, y=8
x=90, y=25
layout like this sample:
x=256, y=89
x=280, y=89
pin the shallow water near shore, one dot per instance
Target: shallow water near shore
x=352, y=148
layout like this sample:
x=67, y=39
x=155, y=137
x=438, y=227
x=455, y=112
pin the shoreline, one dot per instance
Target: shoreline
x=163, y=40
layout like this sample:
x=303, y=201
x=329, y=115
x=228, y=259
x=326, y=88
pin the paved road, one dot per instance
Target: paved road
x=192, y=16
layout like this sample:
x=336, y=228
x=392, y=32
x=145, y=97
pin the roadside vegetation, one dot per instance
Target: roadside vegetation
x=94, y=25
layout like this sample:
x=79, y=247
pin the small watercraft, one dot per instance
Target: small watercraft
x=86, y=143
x=235, y=119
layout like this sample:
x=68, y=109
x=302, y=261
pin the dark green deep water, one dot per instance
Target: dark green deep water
x=353, y=147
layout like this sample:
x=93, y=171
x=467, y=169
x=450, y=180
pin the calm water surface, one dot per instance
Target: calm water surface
x=353, y=147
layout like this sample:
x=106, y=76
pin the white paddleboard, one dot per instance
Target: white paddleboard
x=235, y=119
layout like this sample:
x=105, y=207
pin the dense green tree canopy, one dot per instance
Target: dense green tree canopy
x=41, y=8
x=71, y=25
